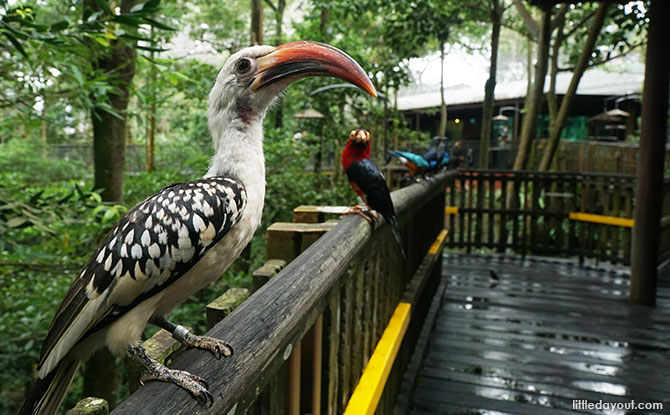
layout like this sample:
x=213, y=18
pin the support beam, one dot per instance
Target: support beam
x=646, y=234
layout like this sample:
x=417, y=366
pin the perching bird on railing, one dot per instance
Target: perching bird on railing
x=431, y=161
x=367, y=181
x=435, y=153
x=415, y=163
x=459, y=155
x=186, y=235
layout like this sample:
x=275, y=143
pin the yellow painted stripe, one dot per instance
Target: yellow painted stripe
x=606, y=220
x=439, y=241
x=370, y=386
x=451, y=210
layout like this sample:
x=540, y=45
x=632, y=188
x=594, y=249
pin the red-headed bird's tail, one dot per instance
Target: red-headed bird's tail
x=396, y=233
x=48, y=393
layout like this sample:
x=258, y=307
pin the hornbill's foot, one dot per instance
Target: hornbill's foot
x=195, y=385
x=218, y=347
x=364, y=212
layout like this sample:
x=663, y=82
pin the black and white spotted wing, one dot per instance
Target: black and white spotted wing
x=158, y=240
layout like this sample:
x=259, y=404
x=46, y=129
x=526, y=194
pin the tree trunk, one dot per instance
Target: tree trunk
x=109, y=147
x=151, y=137
x=109, y=131
x=152, y=113
x=552, y=100
x=533, y=110
x=556, y=126
x=256, y=22
x=442, y=130
x=43, y=126
x=489, y=87
x=279, y=19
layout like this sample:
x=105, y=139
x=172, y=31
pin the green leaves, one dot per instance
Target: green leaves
x=104, y=6
x=15, y=43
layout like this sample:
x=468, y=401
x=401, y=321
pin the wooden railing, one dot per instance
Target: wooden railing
x=544, y=213
x=303, y=339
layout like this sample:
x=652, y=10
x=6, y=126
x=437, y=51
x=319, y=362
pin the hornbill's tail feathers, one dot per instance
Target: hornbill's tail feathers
x=396, y=233
x=48, y=393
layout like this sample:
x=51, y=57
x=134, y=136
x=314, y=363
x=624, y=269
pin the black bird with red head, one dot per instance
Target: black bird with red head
x=366, y=179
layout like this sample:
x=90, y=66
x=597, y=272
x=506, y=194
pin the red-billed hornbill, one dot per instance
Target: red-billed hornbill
x=186, y=235
x=367, y=181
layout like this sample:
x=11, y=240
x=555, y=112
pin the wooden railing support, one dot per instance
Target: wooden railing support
x=286, y=240
x=317, y=365
x=90, y=406
x=263, y=274
x=225, y=304
x=294, y=380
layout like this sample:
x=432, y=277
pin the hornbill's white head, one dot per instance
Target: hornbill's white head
x=251, y=79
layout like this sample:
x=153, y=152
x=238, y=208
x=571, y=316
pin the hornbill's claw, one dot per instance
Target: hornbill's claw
x=218, y=347
x=195, y=385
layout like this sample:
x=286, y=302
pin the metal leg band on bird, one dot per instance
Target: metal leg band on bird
x=218, y=347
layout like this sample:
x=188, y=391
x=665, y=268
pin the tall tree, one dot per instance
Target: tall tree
x=109, y=127
x=558, y=116
x=418, y=27
x=533, y=111
x=496, y=9
x=278, y=10
x=587, y=45
x=256, y=22
x=580, y=42
x=442, y=129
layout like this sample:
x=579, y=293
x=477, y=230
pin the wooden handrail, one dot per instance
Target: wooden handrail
x=265, y=328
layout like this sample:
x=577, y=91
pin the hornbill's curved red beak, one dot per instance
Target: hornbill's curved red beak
x=295, y=60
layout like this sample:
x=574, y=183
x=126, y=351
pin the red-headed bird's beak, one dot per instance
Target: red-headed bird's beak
x=292, y=61
x=360, y=136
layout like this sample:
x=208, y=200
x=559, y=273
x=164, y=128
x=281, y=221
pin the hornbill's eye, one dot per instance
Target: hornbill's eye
x=243, y=65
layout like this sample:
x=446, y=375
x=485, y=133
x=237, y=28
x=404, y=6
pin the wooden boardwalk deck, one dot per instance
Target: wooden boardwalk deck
x=547, y=333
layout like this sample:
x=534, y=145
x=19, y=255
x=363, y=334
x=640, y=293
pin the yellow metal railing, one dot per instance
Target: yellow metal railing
x=371, y=384
x=602, y=219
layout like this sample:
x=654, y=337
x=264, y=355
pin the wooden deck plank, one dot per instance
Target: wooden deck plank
x=577, y=377
x=542, y=379
x=581, y=326
x=547, y=333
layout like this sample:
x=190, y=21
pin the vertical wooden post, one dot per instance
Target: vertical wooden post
x=294, y=380
x=333, y=353
x=316, y=365
x=646, y=234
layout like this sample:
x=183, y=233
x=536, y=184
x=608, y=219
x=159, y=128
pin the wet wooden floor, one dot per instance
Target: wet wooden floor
x=545, y=334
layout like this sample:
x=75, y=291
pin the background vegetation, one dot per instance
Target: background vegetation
x=56, y=86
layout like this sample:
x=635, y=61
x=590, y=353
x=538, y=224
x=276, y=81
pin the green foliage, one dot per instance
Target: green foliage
x=223, y=26
x=624, y=30
x=22, y=161
x=46, y=235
